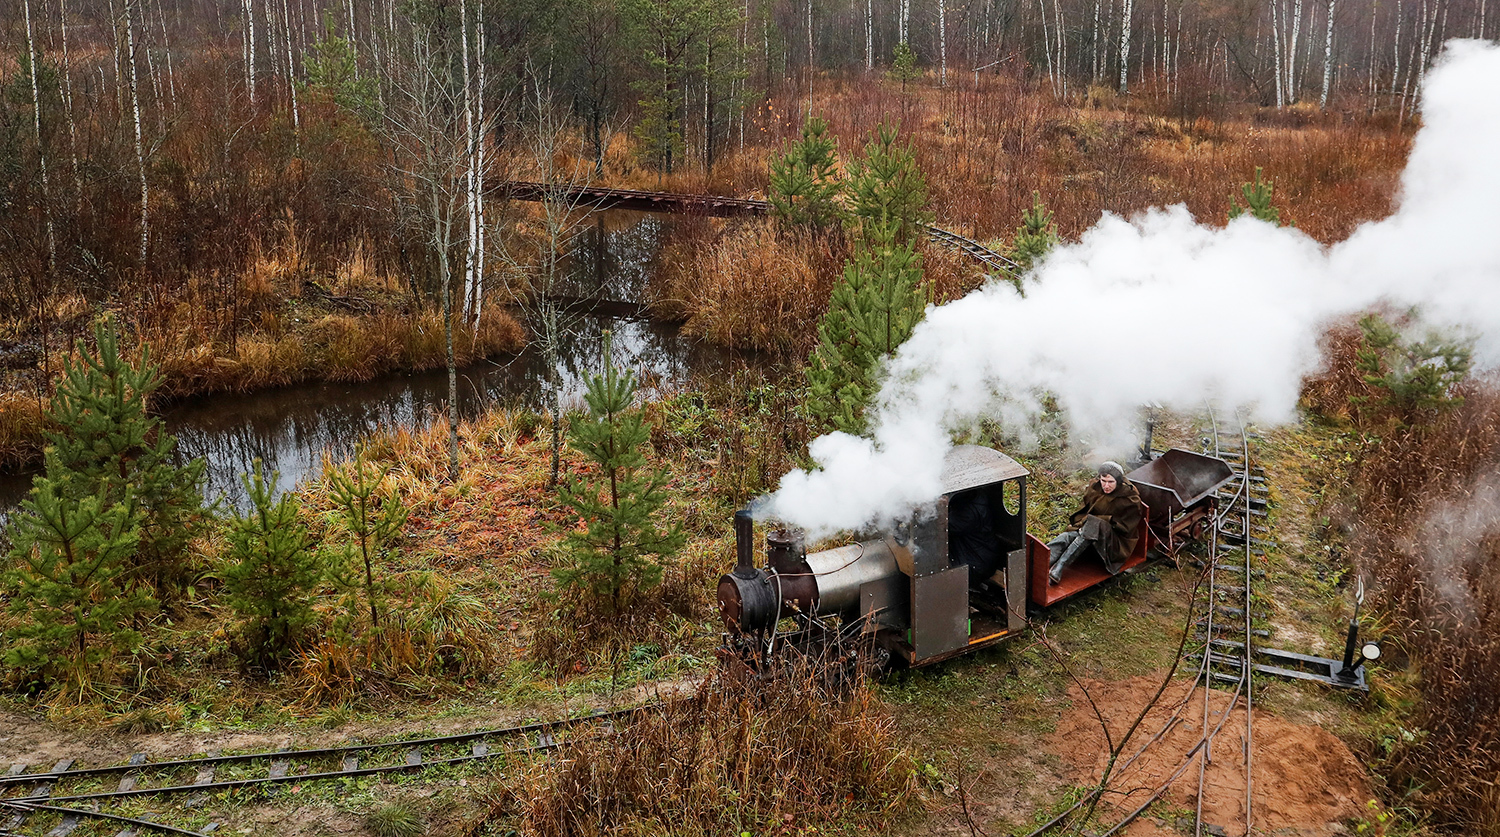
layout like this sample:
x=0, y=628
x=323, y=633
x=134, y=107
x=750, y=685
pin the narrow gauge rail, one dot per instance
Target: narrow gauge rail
x=1228, y=610
x=715, y=206
x=62, y=789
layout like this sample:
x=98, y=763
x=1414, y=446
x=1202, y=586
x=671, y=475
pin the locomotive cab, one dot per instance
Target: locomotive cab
x=951, y=580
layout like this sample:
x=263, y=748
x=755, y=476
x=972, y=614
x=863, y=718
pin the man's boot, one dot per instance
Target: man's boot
x=1077, y=546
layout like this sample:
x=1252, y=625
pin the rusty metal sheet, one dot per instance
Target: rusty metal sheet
x=884, y=602
x=1179, y=478
x=1015, y=590
x=940, y=612
x=970, y=466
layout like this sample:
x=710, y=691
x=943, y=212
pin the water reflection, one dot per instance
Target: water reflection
x=290, y=430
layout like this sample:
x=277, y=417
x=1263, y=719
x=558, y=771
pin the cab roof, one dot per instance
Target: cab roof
x=971, y=466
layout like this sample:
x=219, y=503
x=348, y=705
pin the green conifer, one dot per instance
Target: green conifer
x=1411, y=380
x=106, y=445
x=904, y=65
x=887, y=189
x=805, y=183
x=874, y=307
x=1257, y=201
x=371, y=522
x=271, y=569
x=618, y=552
x=1036, y=236
x=67, y=583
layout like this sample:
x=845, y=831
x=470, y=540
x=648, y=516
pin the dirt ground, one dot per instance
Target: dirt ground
x=1305, y=780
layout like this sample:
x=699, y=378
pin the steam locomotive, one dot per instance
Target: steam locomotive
x=958, y=579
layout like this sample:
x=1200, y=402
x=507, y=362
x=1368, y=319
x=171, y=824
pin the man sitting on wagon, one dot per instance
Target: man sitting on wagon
x=1108, y=523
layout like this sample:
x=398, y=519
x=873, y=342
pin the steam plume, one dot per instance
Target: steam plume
x=1160, y=308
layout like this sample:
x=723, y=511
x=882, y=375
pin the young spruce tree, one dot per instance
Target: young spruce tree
x=805, y=183
x=271, y=569
x=619, y=550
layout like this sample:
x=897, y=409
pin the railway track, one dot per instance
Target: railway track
x=56, y=801
x=594, y=197
x=1224, y=655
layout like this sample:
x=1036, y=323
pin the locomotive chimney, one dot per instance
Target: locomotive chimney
x=744, y=541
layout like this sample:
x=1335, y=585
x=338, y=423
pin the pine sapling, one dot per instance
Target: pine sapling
x=887, y=188
x=1036, y=236
x=271, y=568
x=874, y=307
x=617, y=552
x=1257, y=197
x=67, y=584
x=371, y=521
x=805, y=181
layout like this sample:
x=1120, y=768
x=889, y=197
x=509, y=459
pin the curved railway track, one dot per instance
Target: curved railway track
x=1227, y=634
x=600, y=198
x=65, y=797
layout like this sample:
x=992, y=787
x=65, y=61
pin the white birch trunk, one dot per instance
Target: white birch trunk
x=1098, y=45
x=1291, y=53
x=291, y=72
x=250, y=46
x=942, y=43
x=1278, y=20
x=1062, y=49
x=1327, y=58
x=904, y=12
x=869, y=34
x=140, y=148
x=1125, y=13
x=809, y=37
x=353, y=39
x=471, y=257
x=1396, y=51
x=481, y=163
x=68, y=108
x=41, y=151
x=166, y=45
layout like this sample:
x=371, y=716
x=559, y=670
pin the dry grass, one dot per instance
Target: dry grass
x=1422, y=512
x=746, y=753
x=752, y=287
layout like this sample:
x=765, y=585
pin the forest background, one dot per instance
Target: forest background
x=203, y=167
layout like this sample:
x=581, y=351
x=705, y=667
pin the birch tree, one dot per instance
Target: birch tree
x=1327, y=58
x=140, y=150
x=32, y=59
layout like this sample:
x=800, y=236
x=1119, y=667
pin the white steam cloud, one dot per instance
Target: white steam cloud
x=1160, y=308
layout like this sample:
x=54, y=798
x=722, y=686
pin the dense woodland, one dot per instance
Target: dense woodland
x=148, y=142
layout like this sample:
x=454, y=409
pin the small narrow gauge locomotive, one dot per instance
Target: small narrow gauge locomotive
x=956, y=579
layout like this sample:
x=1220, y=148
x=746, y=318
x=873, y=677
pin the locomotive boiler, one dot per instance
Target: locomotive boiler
x=958, y=577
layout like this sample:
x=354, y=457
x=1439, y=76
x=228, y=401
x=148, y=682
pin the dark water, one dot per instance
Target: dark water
x=290, y=429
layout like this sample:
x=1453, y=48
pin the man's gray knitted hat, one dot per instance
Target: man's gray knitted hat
x=1113, y=469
